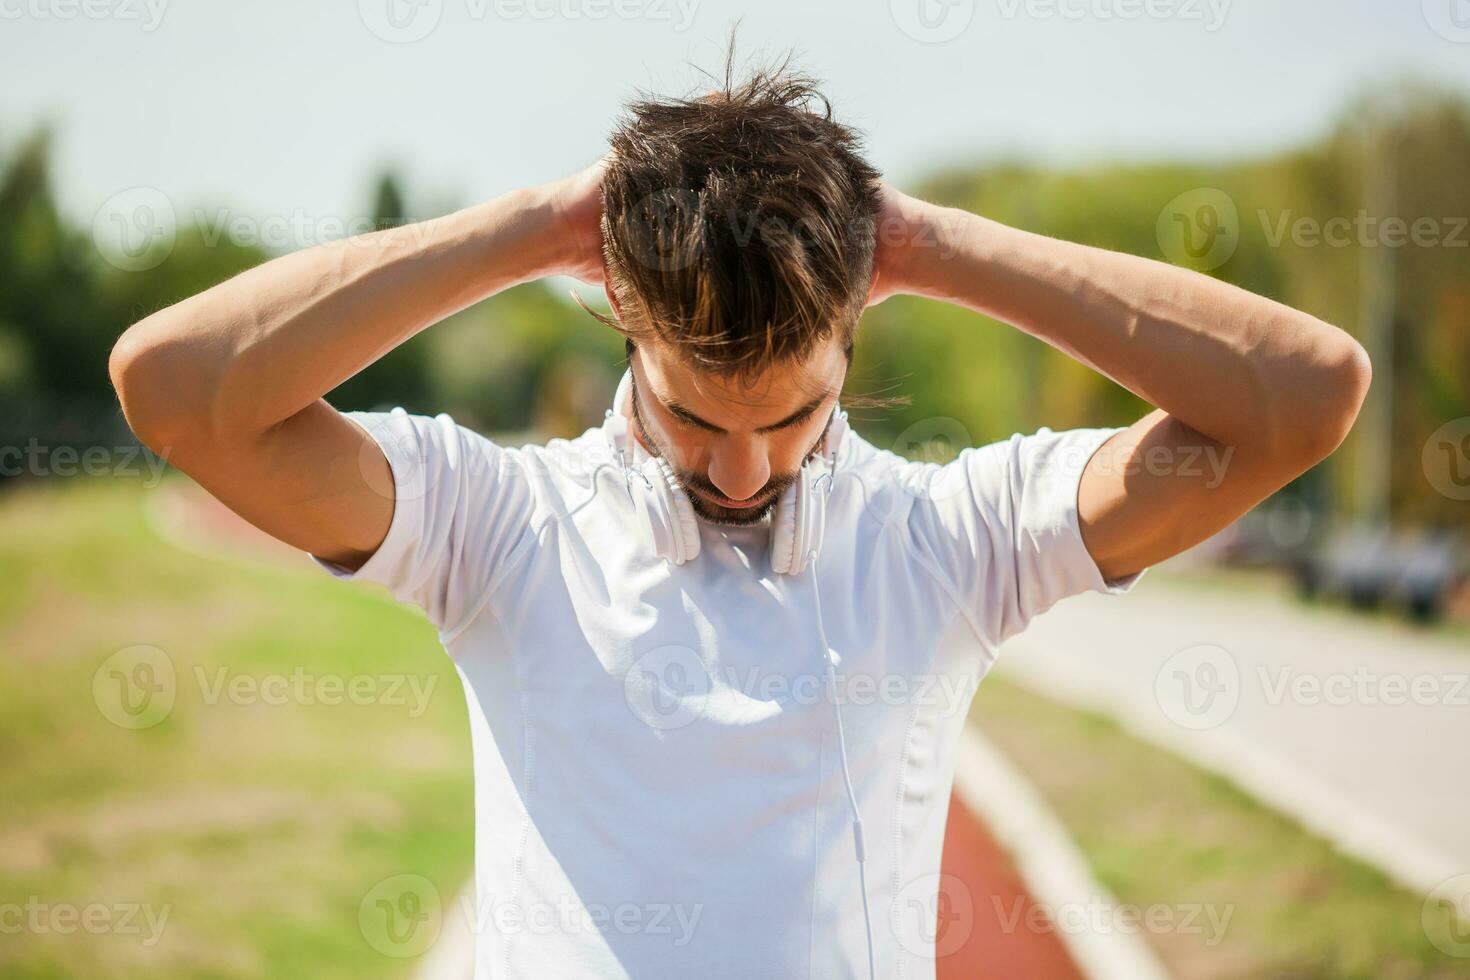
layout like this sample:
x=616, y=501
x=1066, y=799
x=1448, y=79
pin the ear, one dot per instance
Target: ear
x=611, y=299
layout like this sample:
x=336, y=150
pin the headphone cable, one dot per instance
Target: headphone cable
x=857, y=820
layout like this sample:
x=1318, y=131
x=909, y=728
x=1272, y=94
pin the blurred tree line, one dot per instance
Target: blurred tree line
x=529, y=360
x=1413, y=137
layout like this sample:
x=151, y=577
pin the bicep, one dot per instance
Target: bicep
x=1159, y=487
x=316, y=481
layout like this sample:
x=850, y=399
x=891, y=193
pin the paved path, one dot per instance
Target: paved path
x=1359, y=729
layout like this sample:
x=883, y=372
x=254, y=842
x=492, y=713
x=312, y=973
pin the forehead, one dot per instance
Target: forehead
x=733, y=403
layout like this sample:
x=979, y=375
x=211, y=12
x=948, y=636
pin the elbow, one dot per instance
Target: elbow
x=129, y=366
x=1343, y=374
x=138, y=367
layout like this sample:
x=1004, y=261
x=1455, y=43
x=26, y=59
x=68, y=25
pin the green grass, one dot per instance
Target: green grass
x=1159, y=832
x=258, y=827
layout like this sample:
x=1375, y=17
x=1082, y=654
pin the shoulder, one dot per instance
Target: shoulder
x=889, y=485
x=1044, y=454
x=563, y=465
x=430, y=453
x=991, y=483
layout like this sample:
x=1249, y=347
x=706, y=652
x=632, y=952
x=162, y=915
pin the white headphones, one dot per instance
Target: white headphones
x=797, y=525
x=797, y=522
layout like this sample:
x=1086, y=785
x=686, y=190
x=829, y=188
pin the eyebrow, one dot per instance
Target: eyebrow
x=801, y=414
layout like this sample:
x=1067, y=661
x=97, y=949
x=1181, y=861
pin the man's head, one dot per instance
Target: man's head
x=738, y=233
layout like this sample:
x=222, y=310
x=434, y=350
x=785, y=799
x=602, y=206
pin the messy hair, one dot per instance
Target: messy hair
x=739, y=225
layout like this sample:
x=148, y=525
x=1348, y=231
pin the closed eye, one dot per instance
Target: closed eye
x=801, y=415
x=684, y=417
x=791, y=422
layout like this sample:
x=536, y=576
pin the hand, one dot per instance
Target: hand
x=576, y=208
x=900, y=231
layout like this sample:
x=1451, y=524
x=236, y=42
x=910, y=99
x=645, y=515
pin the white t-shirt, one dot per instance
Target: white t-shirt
x=658, y=790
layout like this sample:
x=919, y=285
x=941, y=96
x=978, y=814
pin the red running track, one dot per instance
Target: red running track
x=989, y=925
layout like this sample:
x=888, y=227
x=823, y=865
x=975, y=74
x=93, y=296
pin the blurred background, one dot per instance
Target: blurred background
x=213, y=758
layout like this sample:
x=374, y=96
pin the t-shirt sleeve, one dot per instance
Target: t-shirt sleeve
x=461, y=516
x=1000, y=524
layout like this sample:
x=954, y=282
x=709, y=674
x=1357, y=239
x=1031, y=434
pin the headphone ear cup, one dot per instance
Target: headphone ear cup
x=814, y=525
x=676, y=529
x=788, y=523
x=663, y=504
x=799, y=521
x=686, y=528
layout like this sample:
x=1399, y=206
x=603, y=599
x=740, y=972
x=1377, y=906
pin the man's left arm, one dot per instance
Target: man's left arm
x=1249, y=393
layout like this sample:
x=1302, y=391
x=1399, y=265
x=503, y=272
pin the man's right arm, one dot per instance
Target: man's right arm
x=229, y=384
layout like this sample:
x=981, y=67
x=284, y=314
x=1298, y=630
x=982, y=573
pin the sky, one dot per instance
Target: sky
x=289, y=108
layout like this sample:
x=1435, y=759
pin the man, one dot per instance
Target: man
x=709, y=643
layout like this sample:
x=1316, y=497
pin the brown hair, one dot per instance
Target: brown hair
x=739, y=226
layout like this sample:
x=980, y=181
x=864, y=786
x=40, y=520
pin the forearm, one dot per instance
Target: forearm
x=1242, y=369
x=262, y=346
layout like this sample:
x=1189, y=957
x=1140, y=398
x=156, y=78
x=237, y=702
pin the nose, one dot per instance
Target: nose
x=739, y=470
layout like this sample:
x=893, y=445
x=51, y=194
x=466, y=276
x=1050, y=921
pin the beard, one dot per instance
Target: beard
x=695, y=486
x=733, y=516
